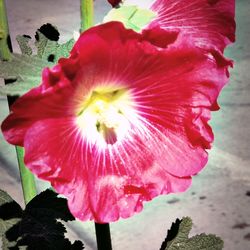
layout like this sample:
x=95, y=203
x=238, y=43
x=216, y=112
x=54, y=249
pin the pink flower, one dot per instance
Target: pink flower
x=209, y=24
x=119, y=122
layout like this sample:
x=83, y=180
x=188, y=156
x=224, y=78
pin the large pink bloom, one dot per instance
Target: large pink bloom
x=208, y=23
x=119, y=122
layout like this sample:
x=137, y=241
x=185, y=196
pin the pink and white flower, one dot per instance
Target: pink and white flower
x=119, y=122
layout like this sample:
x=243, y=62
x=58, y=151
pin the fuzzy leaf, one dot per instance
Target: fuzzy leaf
x=26, y=69
x=10, y=215
x=131, y=16
x=4, y=198
x=48, y=204
x=177, y=238
x=206, y=242
x=37, y=226
x=51, y=50
x=40, y=228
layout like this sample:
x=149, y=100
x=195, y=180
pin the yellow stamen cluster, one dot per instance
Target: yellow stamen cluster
x=104, y=116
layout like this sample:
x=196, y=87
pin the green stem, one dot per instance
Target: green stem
x=4, y=34
x=87, y=14
x=27, y=178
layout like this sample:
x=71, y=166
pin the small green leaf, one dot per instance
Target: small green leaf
x=142, y=17
x=131, y=16
x=177, y=238
x=23, y=42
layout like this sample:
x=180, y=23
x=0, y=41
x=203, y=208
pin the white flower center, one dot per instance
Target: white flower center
x=104, y=117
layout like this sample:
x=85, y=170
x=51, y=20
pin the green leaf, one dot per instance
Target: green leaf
x=49, y=204
x=206, y=242
x=39, y=227
x=51, y=50
x=23, y=42
x=131, y=16
x=26, y=69
x=4, y=198
x=177, y=238
x=10, y=215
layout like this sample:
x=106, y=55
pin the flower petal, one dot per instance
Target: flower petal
x=96, y=187
x=33, y=106
x=208, y=23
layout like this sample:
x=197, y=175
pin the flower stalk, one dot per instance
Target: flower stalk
x=27, y=178
x=87, y=14
x=4, y=37
x=103, y=237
